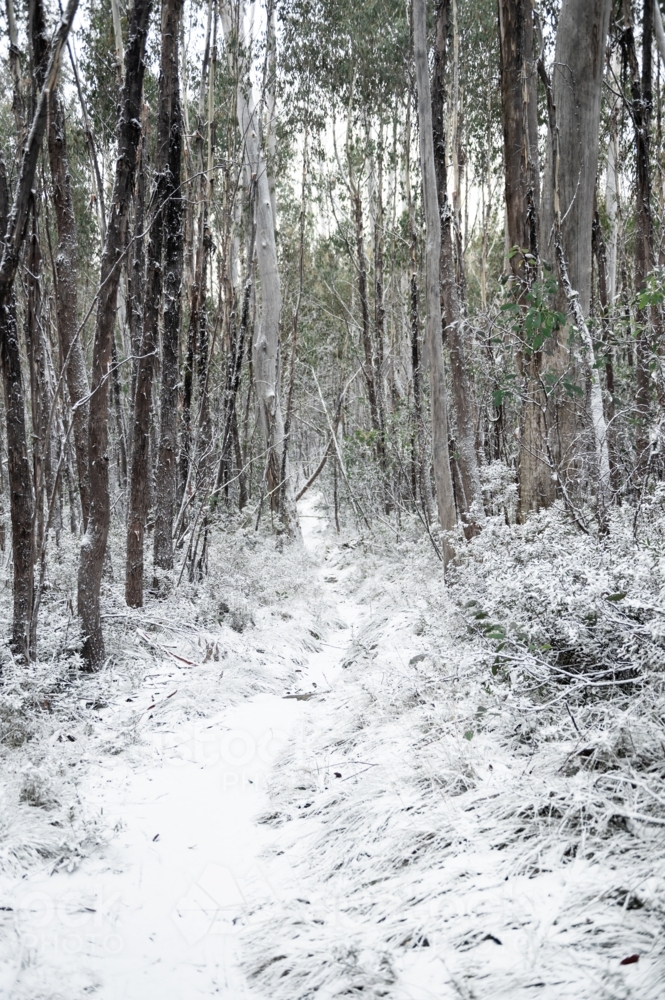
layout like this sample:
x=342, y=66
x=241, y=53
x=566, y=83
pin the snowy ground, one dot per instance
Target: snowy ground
x=156, y=912
x=323, y=803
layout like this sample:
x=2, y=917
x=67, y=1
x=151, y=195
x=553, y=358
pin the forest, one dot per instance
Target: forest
x=332, y=484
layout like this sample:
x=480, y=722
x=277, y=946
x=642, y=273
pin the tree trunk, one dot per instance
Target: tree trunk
x=21, y=499
x=266, y=343
x=15, y=224
x=470, y=494
x=442, y=477
x=421, y=464
x=139, y=491
x=66, y=264
x=577, y=80
x=520, y=145
x=94, y=541
x=641, y=114
x=165, y=485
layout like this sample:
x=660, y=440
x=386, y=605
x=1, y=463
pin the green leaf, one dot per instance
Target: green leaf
x=615, y=597
x=468, y=735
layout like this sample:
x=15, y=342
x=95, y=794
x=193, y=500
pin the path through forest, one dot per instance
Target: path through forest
x=157, y=915
x=412, y=834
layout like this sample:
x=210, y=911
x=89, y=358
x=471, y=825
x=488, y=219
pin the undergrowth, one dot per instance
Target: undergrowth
x=480, y=812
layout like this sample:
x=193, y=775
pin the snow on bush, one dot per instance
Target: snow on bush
x=479, y=812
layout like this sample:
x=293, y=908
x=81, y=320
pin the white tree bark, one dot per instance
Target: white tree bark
x=660, y=31
x=265, y=349
x=596, y=402
x=611, y=204
x=442, y=477
x=119, y=47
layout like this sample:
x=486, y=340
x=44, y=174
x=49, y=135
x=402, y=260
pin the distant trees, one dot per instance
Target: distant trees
x=374, y=246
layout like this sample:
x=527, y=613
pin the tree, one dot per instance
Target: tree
x=266, y=343
x=15, y=221
x=568, y=192
x=442, y=477
x=165, y=478
x=167, y=155
x=93, y=545
x=469, y=496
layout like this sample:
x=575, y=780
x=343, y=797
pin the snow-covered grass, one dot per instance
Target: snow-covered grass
x=478, y=811
x=471, y=807
x=245, y=629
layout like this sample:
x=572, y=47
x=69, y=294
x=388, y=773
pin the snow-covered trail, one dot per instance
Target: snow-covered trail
x=155, y=917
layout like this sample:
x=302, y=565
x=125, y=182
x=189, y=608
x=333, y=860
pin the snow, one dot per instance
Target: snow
x=155, y=916
x=342, y=797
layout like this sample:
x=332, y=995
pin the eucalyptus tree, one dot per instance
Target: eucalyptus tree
x=66, y=262
x=266, y=343
x=444, y=487
x=522, y=193
x=165, y=224
x=469, y=493
x=93, y=545
x=14, y=217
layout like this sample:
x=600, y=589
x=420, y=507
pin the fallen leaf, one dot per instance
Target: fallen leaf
x=630, y=960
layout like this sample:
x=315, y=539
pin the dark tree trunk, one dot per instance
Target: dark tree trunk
x=66, y=264
x=14, y=227
x=368, y=348
x=520, y=145
x=644, y=259
x=18, y=460
x=95, y=538
x=136, y=270
x=39, y=405
x=165, y=485
x=469, y=494
x=603, y=294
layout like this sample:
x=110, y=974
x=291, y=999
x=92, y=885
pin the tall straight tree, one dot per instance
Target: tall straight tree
x=139, y=492
x=165, y=479
x=642, y=99
x=522, y=191
x=442, y=477
x=93, y=546
x=66, y=264
x=14, y=223
x=469, y=499
x=266, y=343
x=577, y=81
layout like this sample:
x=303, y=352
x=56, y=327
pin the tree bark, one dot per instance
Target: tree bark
x=644, y=259
x=93, y=546
x=469, y=497
x=442, y=476
x=520, y=149
x=165, y=485
x=139, y=491
x=66, y=266
x=266, y=343
x=577, y=79
x=21, y=500
x=15, y=224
